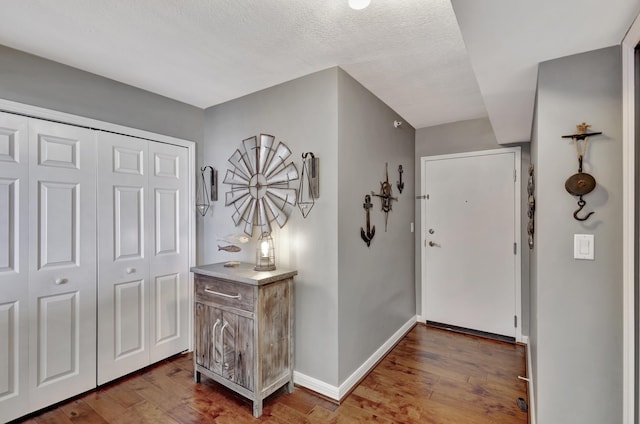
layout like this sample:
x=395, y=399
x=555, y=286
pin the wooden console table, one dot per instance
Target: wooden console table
x=244, y=329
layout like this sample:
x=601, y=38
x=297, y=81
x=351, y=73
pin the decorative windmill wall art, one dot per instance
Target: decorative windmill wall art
x=260, y=184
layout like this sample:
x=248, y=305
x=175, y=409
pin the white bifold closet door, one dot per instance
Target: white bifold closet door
x=143, y=263
x=62, y=261
x=14, y=275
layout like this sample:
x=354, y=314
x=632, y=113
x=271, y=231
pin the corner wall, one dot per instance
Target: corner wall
x=577, y=304
x=376, y=290
x=303, y=114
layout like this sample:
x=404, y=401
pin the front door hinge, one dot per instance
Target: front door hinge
x=515, y=248
x=515, y=321
x=515, y=175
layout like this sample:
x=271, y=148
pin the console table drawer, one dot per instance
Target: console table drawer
x=225, y=293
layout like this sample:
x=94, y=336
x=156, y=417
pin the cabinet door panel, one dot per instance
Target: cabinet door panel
x=123, y=325
x=203, y=336
x=62, y=263
x=244, y=359
x=14, y=281
x=228, y=345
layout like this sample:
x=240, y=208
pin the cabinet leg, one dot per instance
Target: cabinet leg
x=196, y=376
x=257, y=408
x=290, y=387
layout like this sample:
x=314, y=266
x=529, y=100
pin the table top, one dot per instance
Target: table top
x=243, y=273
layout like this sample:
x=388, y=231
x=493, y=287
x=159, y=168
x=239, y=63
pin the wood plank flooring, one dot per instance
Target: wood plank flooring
x=431, y=376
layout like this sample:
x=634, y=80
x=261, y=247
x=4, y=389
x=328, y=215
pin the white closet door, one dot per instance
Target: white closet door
x=169, y=258
x=123, y=276
x=62, y=261
x=14, y=281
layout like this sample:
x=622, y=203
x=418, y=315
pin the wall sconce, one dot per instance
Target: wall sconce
x=265, y=254
x=203, y=195
x=309, y=187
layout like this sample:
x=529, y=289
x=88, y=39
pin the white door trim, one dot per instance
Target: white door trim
x=629, y=43
x=517, y=229
x=66, y=118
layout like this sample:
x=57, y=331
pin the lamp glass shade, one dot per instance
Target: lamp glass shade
x=265, y=254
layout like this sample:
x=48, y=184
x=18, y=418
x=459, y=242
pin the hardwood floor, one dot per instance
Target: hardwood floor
x=431, y=376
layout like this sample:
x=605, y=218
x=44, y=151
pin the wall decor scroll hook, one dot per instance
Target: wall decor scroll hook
x=581, y=204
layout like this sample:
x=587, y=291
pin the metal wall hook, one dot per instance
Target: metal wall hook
x=582, y=203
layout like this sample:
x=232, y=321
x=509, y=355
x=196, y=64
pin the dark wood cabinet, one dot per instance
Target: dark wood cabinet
x=244, y=329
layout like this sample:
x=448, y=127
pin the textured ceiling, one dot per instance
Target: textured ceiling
x=409, y=53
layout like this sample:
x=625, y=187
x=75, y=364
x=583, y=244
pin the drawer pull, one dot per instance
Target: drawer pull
x=61, y=281
x=228, y=296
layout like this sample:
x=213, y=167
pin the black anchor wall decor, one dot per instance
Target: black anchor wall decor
x=385, y=196
x=581, y=183
x=400, y=184
x=367, y=236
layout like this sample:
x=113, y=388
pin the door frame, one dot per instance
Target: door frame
x=517, y=225
x=80, y=121
x=630, y=391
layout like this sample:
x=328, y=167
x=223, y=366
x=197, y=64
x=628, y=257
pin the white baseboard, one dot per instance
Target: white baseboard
x=336, y=393
x=318, y=386
x=532, y=401
x=525, y=339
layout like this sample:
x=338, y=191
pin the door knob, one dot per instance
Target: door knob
x=432, y=244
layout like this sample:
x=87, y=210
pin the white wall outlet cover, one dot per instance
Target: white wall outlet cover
x=583, y=246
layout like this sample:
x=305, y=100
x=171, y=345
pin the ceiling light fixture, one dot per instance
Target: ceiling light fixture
x=359, y=4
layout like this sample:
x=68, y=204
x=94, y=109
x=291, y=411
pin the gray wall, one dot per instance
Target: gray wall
x=32, y=80
x=577, y=305
x=460, y=137
x=303, y=114
x=349, y=299
x=376, y=290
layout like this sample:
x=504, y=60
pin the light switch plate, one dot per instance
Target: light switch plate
x=583, y=246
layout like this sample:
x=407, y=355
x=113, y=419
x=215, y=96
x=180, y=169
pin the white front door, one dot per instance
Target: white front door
x=143, y=273
x=62, y=261
x=470, y=228
x=14, y=276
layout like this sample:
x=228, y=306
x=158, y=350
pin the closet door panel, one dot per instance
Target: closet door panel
x=169, y=261
x=62, y=261
x=123, y=277
x=14, y=281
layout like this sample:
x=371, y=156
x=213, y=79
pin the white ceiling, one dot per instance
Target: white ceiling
x=410, y=53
